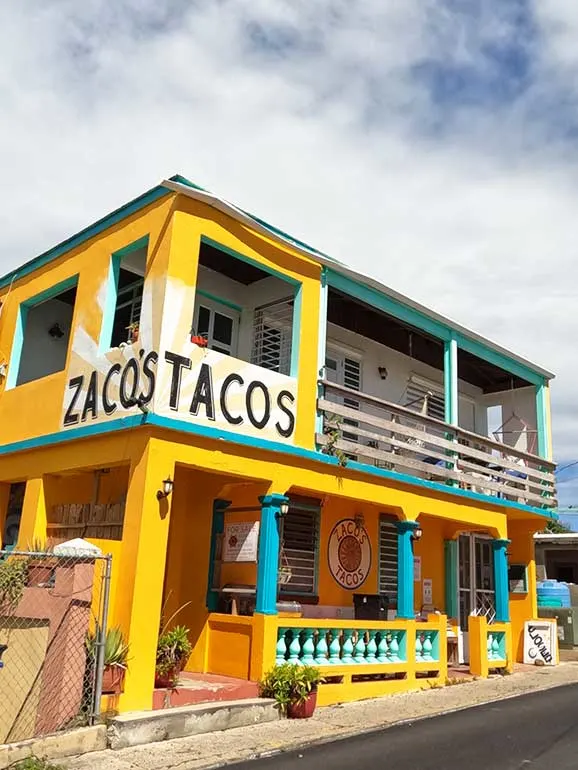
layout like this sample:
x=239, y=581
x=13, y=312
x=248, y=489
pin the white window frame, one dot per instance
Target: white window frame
x=213, y=306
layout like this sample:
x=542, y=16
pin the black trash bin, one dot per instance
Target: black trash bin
x=370, y=606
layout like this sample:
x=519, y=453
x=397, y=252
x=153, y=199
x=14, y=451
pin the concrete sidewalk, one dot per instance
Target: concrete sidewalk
x=328, y=724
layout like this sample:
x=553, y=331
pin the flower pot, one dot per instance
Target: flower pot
x=198, y=340
x=168, y=679
x=40, y=573
x=305, y=709
x=113, y=680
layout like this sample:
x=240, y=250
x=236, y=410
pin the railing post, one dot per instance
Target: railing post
x=405, y=530
x=500, y=547
x=268, y=563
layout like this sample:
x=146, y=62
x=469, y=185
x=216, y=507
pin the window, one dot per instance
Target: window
x=299, y=548
x=388, y=557
x=218, y=324
x=272, y=336
x=415, y=396
x=129, y=293
x=45, y=323
x=345, y=371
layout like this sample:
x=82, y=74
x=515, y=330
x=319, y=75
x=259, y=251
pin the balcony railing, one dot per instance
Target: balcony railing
x=368, y=429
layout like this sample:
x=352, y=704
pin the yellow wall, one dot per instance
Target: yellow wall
x=522, y=606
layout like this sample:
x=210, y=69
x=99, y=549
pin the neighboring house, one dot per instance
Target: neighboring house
x=220, y=389
x=557, y=556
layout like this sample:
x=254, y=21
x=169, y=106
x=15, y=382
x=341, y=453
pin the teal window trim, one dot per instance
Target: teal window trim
x=21, y=318
x=219, y=300
x=451, y=578
x=109, y=310
x=542, y=421
x=296, y=332
x=217, y=528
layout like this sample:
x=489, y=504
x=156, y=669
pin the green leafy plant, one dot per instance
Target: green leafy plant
x=115, y=648
x=173, y=651
x=289, y=684
x=13, y=579
x=332, y=429
x=34, y=763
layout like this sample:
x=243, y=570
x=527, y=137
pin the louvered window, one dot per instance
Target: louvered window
x=415, y=395
x=272, y=336
x=299, y=548
x=388, y=557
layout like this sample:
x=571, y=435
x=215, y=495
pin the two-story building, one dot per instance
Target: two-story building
x=262, y=425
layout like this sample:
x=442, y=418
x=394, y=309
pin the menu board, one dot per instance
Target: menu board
x=240, y=541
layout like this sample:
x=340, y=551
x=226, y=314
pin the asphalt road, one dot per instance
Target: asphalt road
x=532, y=732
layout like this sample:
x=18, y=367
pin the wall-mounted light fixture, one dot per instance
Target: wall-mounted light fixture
x=382, y=372
x=166, y=490
x=55, y=331
x=359, y=520
x=283, y=510
x=417, y=533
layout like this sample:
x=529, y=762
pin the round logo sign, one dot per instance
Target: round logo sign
x=349, y=553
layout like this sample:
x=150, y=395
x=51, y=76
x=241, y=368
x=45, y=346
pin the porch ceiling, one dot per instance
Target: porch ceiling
x=236, y=269
x=362, y=319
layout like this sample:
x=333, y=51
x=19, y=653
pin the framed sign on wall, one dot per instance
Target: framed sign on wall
x=240, y=541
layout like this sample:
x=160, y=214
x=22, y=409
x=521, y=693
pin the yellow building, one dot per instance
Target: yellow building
x=266, y=430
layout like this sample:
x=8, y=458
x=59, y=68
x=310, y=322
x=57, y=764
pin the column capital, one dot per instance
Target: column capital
x=407, y=526
x=499, y=543
x=220, y=505
x=274, y=500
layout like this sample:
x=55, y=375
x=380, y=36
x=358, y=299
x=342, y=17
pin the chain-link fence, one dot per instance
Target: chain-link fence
x=53, y=610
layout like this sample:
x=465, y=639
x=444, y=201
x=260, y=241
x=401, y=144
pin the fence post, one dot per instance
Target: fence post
x=101, y=640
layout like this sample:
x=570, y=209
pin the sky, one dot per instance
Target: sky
x=430, y=143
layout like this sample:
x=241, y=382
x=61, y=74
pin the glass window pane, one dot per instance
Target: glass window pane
x=204, y=321
x=223, y=329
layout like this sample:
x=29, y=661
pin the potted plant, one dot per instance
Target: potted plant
x=115, y=660
x=40, y=568
x=294, y=688
x=173, y=650
x=198, y=339
x=133, y=329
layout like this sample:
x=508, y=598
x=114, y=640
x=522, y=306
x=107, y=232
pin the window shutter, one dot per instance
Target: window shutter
x=388, y=557
x=300, y=543
x=414, y=398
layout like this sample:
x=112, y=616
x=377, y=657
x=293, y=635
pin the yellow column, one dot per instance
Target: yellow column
x=33, y=522
x=142, y=570
x=478, y=638
x=4, y=500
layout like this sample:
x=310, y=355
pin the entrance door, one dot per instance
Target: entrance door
x=476, y=592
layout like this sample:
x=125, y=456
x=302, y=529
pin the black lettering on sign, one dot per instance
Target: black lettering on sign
x=109, y=406
x=204, y=393
x=149, y=373
x=283, y=396
x=178, y=363
x=76, y=384
x=128, y=398
x=255, y=421
x=91, y=398
x=228, y=381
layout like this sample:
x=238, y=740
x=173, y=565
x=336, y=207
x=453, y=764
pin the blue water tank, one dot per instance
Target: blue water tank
x=551, y=593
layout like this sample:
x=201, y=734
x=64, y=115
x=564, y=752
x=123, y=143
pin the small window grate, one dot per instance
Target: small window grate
x=300, y=543
x=415, y=395
x=272, y=336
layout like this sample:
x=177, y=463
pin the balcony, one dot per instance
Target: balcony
x=359, y=427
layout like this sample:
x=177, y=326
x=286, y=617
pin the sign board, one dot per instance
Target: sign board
x=417, y=569
x=540, y=642
x=240, y=541
x=349, y=554
x=427, y=591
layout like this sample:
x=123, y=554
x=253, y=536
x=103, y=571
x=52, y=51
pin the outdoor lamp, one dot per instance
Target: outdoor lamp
x=417, y=533
x=284, y=509
x=167, y=489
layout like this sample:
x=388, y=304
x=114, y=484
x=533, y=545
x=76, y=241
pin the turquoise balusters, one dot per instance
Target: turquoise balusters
x=321, y=648
x=427, y=646
x=371, y=647
x=489, y=641
x=308, y=648
x=347, y=649
x=359, y=649
x=295, y=647
x=383, y=654
x=418, y=647
x=394, y=647
x=496, y=652
x=281, y=649
x=335, y=648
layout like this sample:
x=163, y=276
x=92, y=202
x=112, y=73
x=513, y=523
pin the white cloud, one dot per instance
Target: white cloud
x=312, y=116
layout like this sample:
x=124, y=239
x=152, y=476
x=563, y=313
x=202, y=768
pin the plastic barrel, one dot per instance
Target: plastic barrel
x=551, y=593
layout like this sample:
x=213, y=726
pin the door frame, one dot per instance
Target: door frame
x=463, y=633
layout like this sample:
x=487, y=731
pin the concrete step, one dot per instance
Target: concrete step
x=138, y=727
x=204, y=688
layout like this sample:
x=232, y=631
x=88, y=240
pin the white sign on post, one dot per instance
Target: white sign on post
x=240, y=541
x=540, y=642
x=416, y=569
x=427, y=591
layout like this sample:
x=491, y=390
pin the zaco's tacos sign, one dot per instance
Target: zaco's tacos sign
x=200, y=387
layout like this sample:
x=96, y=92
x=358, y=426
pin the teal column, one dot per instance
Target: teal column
x=451, y=577
x=451, y=381
x=542, y=421
x=501, y=580
x=268, y=558
x=405, y=530
x=217, y=528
